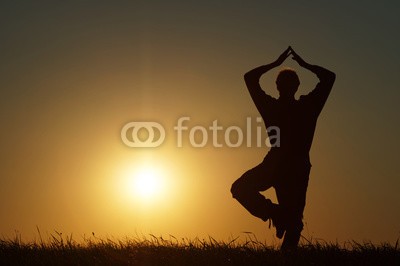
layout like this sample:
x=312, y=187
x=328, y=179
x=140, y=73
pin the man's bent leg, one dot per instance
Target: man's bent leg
x=247, y=191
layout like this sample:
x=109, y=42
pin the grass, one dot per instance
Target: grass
x=152, y=250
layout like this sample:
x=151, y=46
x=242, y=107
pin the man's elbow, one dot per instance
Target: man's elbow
x=247, y=76
x=329, y=77
x=250, y=78
x=332, y=77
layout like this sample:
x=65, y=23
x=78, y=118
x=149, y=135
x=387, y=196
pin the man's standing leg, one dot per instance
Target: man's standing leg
x=291, y=211
x=292, y=235
x=291, y=196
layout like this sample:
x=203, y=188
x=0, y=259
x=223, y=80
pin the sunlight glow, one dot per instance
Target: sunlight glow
x=144, y=183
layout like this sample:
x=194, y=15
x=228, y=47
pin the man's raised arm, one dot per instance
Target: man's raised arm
x=252, y=78
x=326, y=78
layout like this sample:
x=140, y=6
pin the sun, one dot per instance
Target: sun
x=144, y=183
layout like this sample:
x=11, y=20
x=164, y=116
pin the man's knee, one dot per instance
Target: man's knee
x=246, y=185
x=235, y=189
x=239, y=189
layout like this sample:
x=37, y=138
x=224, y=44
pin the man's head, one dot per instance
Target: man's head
x=287, y=83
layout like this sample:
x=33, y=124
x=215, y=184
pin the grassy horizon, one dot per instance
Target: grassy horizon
x=153, y=250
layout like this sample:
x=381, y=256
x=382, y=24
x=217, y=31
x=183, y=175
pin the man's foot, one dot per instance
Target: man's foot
x=278, y=221
x=280, y=231
x=274, y=214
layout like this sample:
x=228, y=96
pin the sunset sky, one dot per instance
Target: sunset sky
x=73, y=74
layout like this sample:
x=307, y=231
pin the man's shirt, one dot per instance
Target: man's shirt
x=296, y=119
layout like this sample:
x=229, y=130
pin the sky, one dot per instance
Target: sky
x=73, y=74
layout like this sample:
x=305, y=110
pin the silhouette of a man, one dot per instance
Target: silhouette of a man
x=287, y=167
